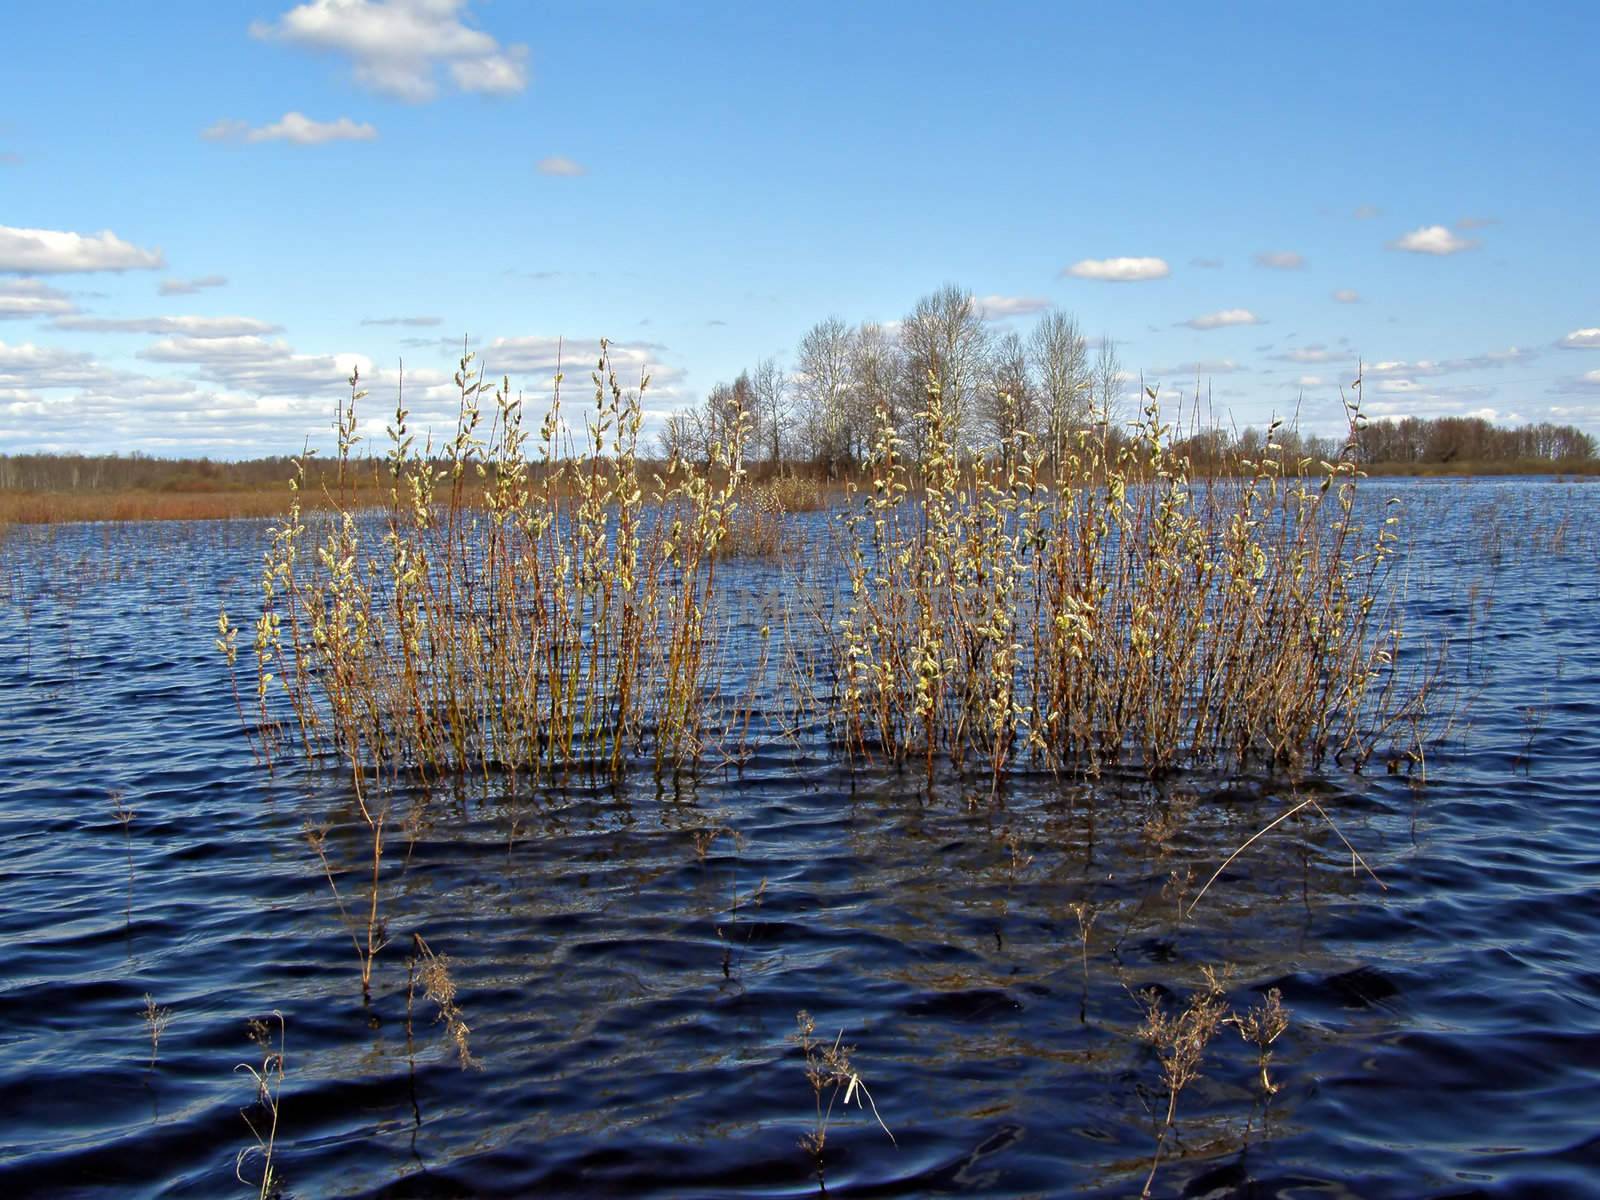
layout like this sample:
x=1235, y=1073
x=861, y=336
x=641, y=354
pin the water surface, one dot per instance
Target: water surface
x=631, y=958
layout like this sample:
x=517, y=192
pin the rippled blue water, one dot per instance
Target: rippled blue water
x=631, y=960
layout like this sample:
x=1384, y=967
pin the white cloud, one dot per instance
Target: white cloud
x=412, y=322
x=536, y=359
x=1347, y=296
x=253, y=364
x=1432, y=239
x=51, y=251
x=195, y=327
x=1120, y=270
x=37, y=367
x=558, y=165
x=1280, y=260
x=21, y=298
x=1206, y=366
x=293, y=127
x=998, y=308
x=397, y=46
x=1582, y=339
x=1315, y=353
x=1221, y=320
x=1490, y=360
x=1589, y=381
x=187, y=287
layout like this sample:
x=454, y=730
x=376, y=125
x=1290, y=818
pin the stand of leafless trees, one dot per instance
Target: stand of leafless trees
x=820, y=413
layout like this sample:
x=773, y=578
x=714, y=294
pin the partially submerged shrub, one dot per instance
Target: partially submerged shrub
x=551, y=617
x=1128, y=612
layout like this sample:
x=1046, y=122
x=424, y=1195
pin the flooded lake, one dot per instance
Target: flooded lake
x=629, y=959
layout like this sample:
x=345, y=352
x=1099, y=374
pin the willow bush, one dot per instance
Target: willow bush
x=1127, y=612
x=519, y=605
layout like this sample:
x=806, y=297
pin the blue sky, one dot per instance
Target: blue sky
x=1413, y=186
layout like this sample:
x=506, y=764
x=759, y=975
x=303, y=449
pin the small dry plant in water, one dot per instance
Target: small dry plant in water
x=432, y=971
x=376, y=934
x=156, y=1019
x=1180, y=1039
x=1261, y=1025
x=1180, y=1042
x=262, y=1115
x=828, y=1069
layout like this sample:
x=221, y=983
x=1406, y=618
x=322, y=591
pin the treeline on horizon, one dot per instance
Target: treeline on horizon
x=819, y=417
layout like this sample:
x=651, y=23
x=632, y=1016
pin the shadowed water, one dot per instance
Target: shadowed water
x=630, y=959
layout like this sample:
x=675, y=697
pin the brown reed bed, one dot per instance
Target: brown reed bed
x=50, y=508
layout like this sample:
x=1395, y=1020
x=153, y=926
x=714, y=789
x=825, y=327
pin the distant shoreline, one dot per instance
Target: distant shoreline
x=184, y=498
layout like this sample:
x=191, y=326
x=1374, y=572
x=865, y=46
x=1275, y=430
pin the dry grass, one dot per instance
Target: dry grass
x=433, y=972
x=828, y=1069
x=156, y=1020
x=48, y=508
x=261, y=1117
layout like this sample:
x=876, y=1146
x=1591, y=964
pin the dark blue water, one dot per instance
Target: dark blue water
x=631, y=960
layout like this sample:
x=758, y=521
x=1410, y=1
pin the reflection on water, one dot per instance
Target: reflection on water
x=630, y=960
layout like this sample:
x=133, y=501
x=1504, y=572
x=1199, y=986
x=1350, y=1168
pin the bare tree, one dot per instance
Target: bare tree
x=678, y=436
x=1108, y=388
x=944, y=342
x=1059, y=356
x=822, y=384
x=1009, y=405
x=875, y=369
x=770, y=385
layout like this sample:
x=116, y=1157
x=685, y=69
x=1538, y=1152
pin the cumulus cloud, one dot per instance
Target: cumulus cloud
x=398, y=47
x=1280, y=260
x=998, y=308
x=196, y=327
x=188, y=287
x=1432, y=239
x=1347, y=296
x=556, y=164
x=1581, y=339
x=1119, y=270
x=1221, y=320
x=22, y=298
x=413, y=322
x=293, y=127
x=52, y=251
